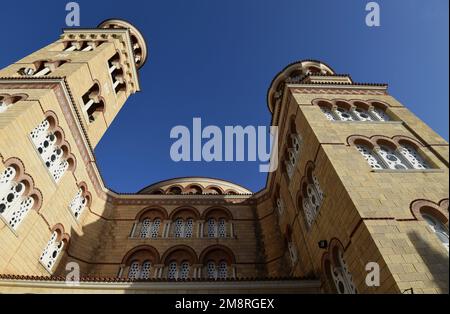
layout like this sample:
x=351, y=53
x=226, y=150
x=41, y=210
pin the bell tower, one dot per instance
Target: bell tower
x=99, y=65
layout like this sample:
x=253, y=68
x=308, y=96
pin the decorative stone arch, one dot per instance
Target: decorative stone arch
x=357, y=103
x=230, y=192
x=217, y=253
x=85, y=193
x=354, y=140
x=61, y=235
x=342, y=103
x=322, y=102
x=326, y=271
x=217, y=212
x=185, y=212
x=27, y=180
x=152, y=213
x=17, y=164
x=215, y=188
x=52, y=118
x=422, y=206
x=380, y=140
x=180, y=253
x=194, y=189
x=175, y=189
x=379, y=104
x=401, y=139
x=141, y=254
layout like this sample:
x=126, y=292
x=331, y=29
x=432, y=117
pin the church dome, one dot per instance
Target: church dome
x=194, y=186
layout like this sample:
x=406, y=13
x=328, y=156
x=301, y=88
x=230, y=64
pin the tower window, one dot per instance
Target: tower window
x=364, y=111
x=52, y=251
x=78, y=204
x=14, y=201
x=53, y=155
x=385, y=154
x=438, y=228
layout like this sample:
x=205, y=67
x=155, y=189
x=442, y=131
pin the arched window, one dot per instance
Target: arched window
x=138, y=263
x=179, y=270
x=371, y=157
x=79, y=203
x=217, y=262
x=294, y=145
x=212, y=228
x=312, y=197
x=292, y=249
x=15, y=202
x=362, y=114
x=53, y=155
x=41, y=68
x=340, y=273
x=365, y=111
x=7, y=101
x=183, y=228
x=93, y=105
x=392, y=158
x=52, y=251
x=179, y=261
x=140, y=271
x=174, y=190
x=413, y=157
x=214, y=271
x=280, y=206
x=438, y=228
x=344, y=114
x=149, y=228
x=149, y=222
x=218, y=223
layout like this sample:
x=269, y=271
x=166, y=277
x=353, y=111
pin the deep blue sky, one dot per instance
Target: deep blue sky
x=216, y=59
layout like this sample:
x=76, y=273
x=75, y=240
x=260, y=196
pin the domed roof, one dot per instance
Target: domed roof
x=294, y=72
x=194, y=186
x=137, y=40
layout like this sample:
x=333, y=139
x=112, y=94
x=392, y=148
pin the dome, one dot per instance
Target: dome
x=194, y=186
x=295, y=72
x=139, y=45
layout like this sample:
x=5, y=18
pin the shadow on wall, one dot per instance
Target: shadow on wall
x=436, y=261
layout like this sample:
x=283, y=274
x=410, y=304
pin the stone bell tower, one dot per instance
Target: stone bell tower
x=99, y=65
x=55, y=106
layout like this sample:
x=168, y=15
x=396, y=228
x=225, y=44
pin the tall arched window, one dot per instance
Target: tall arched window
x=138, y=264
x=311, y=197
x=179, y=262
x=218, y=223
x=47, y=143
x=340, y=273
x=438, y=228
x=392, y=158
x=149, y=223
x=15, y=199
x=413, y=157
x=371, y=157
x=140, y=271
x=79, y=202
x=149, y=228
x=52, y=251
x=93, y=105
x=294, y=145
x=183, y=228
x=217, y=262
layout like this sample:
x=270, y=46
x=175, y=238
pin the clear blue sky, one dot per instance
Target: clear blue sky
x=215, y=60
